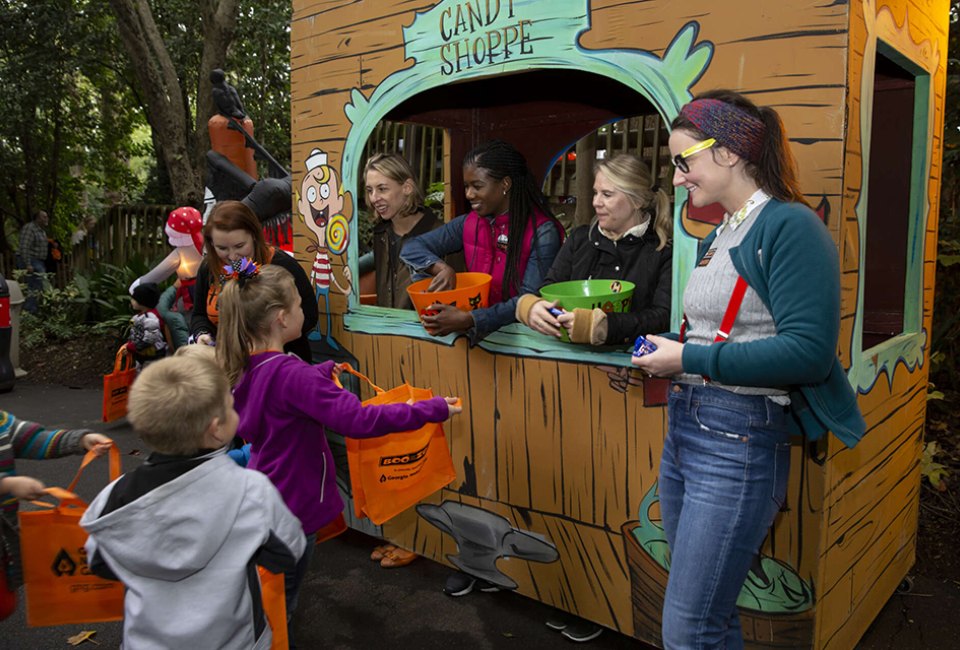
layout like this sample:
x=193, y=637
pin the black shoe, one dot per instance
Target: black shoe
x=558, y=621
x=459, y=584
x=581, y=631
x=487, y=587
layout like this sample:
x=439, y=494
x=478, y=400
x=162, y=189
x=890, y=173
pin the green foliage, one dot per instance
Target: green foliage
x=929, y=467
x=61, y=315
x=68, y=112
x=933, y=393
x=945, y=336
x=110, y=298
x=94, y=304
x=434, y=197
x=259, y=66
x=365, y=222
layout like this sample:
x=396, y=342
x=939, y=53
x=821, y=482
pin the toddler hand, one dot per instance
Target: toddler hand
x=453, y=406
x=23, y=487
x=98, y=443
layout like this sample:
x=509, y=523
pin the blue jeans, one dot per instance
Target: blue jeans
x=723, y=478
x=36, y=269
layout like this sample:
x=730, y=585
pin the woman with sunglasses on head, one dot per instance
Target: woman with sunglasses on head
x=508, y=233
x=756, y=360
x=628, y=240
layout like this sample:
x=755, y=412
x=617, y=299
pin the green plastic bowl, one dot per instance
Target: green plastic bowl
x=608, y=295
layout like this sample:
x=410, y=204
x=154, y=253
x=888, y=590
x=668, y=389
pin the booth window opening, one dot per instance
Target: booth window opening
x=567, y=184
x=894, y=214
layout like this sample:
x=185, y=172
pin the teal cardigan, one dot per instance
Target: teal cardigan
x=789, y=259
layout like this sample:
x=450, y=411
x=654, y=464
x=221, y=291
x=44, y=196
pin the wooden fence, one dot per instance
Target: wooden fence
x=125, y=233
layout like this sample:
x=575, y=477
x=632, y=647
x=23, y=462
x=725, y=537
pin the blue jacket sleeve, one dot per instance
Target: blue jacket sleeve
x=420, y=253
x=541, y=259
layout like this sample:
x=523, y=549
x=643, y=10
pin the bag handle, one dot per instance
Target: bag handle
x=65, y=497
x=114, y=454
x=347, y=368
x=123, y=361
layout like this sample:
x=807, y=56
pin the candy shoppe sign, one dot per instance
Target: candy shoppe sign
x=482, y=33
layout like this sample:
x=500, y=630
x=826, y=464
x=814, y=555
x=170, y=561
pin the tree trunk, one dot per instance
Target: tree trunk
x=219, y=25
x=182, y=146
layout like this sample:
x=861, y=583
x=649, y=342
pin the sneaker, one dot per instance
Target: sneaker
x=459, y=584
x=487, y=587
x=558, y=621
x=581, y=631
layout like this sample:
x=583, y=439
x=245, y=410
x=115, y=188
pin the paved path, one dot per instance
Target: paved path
x=350, y=603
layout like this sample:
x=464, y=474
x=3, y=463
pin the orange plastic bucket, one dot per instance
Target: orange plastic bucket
x=472, y=292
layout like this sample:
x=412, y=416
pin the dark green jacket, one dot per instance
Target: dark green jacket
x=789, y=259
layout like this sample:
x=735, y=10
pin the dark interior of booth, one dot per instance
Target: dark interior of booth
x=542, y=113
x=888, y=202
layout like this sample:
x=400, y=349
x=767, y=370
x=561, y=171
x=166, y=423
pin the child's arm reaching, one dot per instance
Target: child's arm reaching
x=98, y=443
x=24, y=488
x=36, y=442
x=342, y=411
x=453, y=406
x=31, y=440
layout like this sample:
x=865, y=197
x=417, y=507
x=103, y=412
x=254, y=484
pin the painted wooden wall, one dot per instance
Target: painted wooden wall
x=547, y=443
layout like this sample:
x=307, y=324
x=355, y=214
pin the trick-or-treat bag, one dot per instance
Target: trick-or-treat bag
x=116, y=386
x=275, y=607
x=60, y=589
x=391, y=473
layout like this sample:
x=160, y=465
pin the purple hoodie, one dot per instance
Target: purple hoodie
x=284, y=405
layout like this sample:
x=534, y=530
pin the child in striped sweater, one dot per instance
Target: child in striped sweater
x=25, y=439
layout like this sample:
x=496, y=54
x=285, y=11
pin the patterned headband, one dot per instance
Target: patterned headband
x=731, y=126
x=241, y=270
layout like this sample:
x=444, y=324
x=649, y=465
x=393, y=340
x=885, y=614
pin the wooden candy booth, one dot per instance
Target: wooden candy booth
x=557, y=451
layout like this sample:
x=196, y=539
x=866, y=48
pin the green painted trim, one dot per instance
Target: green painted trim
x=909, y=347
x=555, y=29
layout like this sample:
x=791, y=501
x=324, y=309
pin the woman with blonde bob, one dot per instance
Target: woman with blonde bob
x=396, y=198
x=629, y=239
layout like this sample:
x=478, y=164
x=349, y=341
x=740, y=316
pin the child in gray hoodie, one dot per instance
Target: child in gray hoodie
x=185, y=531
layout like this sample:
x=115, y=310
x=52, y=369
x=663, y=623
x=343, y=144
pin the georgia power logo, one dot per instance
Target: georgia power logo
x=63, y=564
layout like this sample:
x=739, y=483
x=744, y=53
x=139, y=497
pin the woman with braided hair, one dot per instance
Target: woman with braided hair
x=755, y=361
x=508, y=233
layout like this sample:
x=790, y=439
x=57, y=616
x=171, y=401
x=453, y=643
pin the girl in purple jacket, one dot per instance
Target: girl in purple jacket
x=285, y=404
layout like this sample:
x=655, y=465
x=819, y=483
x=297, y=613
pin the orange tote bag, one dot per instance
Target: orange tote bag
x=275, y=607
x=394, y=472
x=59, y=586
x=116, y=386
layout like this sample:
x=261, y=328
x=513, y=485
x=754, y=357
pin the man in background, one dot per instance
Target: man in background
x=33, y=255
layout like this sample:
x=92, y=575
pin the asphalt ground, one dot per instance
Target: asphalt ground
x=351, y=603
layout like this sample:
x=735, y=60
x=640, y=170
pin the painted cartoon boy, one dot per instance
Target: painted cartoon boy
x=320, y=200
